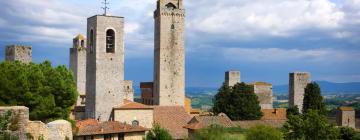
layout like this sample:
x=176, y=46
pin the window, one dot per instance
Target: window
x=107, y=137
x=172, y=26
x=135, y=123
x=82, y=43
x=110, y=41
x=91, y=42
x=121, y=137
x=170, y=6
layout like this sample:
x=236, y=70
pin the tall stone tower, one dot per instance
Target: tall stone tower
x=78, y=66
x=232, y=77
x=297, y=84
x=169, y=53
x=18, y=53
x=105, y=66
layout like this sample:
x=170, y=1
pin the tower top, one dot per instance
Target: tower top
x=105, y=8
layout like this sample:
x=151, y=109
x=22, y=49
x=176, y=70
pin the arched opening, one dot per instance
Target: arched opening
x=172, y=26
x=135, y=123
x=82, y=43
x=110, y=41
x=91, y=42
x=170, y=6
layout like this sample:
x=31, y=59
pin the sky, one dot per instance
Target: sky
x=264, y=39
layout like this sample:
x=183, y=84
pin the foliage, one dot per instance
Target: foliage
x=294, y=110
x=262, y=132
x=216, y=132
x=310, y=126
x=313, y=99
x=347, y=133
x=7, y=124
x=158, y=133
x=48, y=92
x=7, y=136
x=238, y=102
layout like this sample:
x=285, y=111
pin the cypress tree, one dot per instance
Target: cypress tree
x=313, y=99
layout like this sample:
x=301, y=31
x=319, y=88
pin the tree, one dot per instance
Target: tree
x=313, y=99
x=158, y=133
x=262, y=132
x=48, y=92
x=293, y=110
x=347, y=133
x=238, y=102
x=309, y=126
x=217, y=132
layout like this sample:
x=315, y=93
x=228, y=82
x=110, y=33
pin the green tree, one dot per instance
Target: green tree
x=293, y=110
x=347, y=133
x=313, y=99
x=216, y=132
x=238, y=102
x=262, y=132
x=48, y=92
x=309, y=126
x=158, y=133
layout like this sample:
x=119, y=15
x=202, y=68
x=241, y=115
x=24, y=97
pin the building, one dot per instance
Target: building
x=132, y=111
x=345, y=116
x=109, y=130
x=265, y=95
x=147, y=96
x=169, y=53
x=128, y=90
x=232, y=78
x=78, y=66
x=274, y=114
x=18, y=53
x=297, y=84
x=105, y=66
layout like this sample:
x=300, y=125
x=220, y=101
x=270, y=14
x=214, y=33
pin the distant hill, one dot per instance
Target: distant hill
x=327, y=88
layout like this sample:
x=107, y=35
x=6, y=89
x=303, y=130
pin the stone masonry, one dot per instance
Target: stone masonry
x=232, y=78
x=105, y=66
x=264, y=92
x=78, y=66
x=345, y=116
x=297, y=84
x=128, y=90
x=169, y=53
x=18, y=53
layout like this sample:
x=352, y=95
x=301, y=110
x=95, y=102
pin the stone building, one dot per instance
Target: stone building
x=345, y=116
x=105, y=66
x=265, y=95
x=78, y=66
x=128, y=90
x=18, y=53
x=169, y=53
x=147, y=96
x=297, y=84
x=232, y=78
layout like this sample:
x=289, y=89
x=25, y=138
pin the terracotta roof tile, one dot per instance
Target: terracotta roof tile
x=132, y=105
x=345, y=108
x=93, y=127
x=252, y=123
x=172, y=118
x=199, y=122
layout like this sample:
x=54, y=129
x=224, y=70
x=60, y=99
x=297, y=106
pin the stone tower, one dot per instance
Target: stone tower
x=169, y=53
x=105, y=66
x=297, y=84
x=232, y=77
x=345, y=116
x=78, y=66
x=18, y=53
x=265, y=94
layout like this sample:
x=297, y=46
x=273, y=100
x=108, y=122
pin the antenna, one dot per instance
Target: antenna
x=105, y=7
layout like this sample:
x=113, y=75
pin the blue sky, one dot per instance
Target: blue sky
x=264, y=39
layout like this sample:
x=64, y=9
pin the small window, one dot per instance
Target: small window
x=170, y=6
x=107, y=137
x=110, y=41
x=172, y=26
x=135, y=123
x=91, y=42
x=121, y=136
x=82, y=43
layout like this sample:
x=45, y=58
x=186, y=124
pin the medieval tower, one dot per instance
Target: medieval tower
x=169, y=53
x=18, y=53
x=105, y=66
x=232, y=78
x=78, y=66
x=297, y=84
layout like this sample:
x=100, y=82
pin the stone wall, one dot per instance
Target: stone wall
x=147, y=96
x=18, y=53
x=297, y=84
x=232, y=78
x=274, y=114
x=21, y=113
x=346, y=118
x=144, y=116
x=105, y=70
x=264, y=92
x=169, y=54
x=37, y=129
x=128, y=90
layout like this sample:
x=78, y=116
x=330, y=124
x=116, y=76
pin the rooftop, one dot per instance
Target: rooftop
x=127, y=104
x=199, y=122
x=345, y=108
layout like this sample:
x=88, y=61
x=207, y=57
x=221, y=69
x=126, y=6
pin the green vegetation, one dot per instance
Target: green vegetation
x=238, y=102
x=313, y=99
x=158, y=133
x=262, y=132
x=294, y=110
x=347, y=133
x=8, y=123
x=215, y=132
x=48, y=92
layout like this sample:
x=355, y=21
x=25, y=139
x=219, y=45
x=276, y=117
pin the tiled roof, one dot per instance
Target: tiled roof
x=345, y=108
x=252, y=123
x=132, y=105
x=93, y=127
x=172, y=118
x=80, y=36
x=274, y=114
x=199, y=122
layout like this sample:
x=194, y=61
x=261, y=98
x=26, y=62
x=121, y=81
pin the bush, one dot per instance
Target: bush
x=158, y=133
x=347, y=133
x=216, y=132
x=262, y=132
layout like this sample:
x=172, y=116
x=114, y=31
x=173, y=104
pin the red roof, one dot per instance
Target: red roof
x=199, y=122
x=172, y=118
x=93, y=127
x=132, y=105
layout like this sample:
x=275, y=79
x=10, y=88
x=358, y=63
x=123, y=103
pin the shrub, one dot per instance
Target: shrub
x=262, y=132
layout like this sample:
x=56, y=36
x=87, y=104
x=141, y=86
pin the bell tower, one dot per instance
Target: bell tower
x=105, y=66
x=169, y=53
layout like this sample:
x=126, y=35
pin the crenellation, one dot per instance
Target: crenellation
x=18, y=53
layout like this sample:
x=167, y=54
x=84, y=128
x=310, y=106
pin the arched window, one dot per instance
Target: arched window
x=135, y=123
x=110, y=41
x=170, y=6
x=172, y=27
x=82, y=43
x=91, y=42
